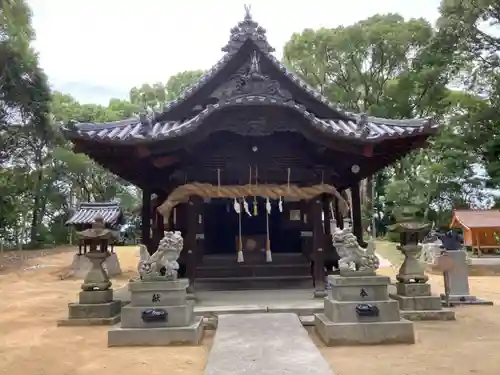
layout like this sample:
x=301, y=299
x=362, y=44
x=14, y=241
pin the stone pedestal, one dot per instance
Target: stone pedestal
x=158, y=314
x=95, y=304
x=359, y=311
x=411, y=269
x=94, y=307
x=417, y=303
x=80, y=266
x=458, y=281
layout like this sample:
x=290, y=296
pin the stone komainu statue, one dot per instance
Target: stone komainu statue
x=162, y=265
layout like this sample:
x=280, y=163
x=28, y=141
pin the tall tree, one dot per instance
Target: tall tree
x=389, y=67
x=471, y=27
x=154, y=96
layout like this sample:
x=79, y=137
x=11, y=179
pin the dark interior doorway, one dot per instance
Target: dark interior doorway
x=221, y=227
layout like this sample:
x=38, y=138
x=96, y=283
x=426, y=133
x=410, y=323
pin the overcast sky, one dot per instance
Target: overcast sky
x=98, y=49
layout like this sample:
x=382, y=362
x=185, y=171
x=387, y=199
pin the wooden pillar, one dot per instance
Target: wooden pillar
x=316, y=210
x=339, y=218
x=159, y=222
x=146, y=220
x=357, y=223
x=190, y=243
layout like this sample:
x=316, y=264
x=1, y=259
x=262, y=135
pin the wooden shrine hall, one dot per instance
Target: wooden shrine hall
x=245, y=163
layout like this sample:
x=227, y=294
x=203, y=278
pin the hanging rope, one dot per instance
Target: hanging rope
x=239, y=257
x=255, y=207
x=269, y=257
x=182, y=193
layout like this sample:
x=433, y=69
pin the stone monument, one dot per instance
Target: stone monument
x=457, y=276
x=358, y=309
x=412, y=291
x=95, y=305
x=159, y=313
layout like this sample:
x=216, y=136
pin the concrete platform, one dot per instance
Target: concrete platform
x=465, y=300
x=264, y=344
x=399, y=332
x=84, y=322
x=420, y=315
x=190, y=335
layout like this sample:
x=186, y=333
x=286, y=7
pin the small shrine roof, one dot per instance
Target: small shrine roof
x=86, y=213
x=469, y=219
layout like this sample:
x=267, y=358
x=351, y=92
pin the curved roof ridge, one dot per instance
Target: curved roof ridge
x=143, y=131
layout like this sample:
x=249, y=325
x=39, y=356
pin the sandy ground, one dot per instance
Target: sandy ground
x=30, y=342
x=466, y=346
x=32, y=300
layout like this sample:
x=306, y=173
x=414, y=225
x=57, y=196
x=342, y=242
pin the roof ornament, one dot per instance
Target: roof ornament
x=248, y=14
x=247, y=29
x=362, y=125
x=145, y=124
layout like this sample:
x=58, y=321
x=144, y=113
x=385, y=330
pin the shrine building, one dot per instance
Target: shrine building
x=246, y=163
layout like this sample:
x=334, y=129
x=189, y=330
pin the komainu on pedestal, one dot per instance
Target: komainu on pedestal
x=358, y=309
x=159, y=313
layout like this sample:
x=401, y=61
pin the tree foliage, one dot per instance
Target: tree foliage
x=385, y=65
x=390, y=67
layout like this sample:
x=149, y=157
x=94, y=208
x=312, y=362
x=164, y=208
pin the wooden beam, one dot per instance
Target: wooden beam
x=146, y=220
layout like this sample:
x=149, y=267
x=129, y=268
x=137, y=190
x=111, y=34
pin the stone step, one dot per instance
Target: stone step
x=244, y=270
x=250, y=283
x=264, y=344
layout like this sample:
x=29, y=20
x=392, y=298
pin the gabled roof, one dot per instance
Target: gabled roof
x=135, y=130
x=469, y=219
x=86, y=213
x=166, y=125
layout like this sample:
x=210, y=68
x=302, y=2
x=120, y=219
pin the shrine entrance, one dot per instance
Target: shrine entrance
x=222, y=228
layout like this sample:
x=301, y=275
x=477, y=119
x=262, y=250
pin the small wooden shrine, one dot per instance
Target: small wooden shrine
x=481, y=229
x=86, y=213
x=245, y=163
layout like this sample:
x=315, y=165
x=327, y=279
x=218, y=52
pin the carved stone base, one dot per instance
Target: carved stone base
x=92, y=314
x=158, y=314
x=336, y=334
x=416, y=299
x=359, y=311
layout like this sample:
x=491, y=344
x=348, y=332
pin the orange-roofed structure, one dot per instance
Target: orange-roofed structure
x=481, y=228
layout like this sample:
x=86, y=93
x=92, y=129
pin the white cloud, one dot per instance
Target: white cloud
x=117, y=44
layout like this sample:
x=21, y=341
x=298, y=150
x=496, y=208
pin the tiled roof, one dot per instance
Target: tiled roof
x=87, y=212
x=477, y=218
x=132, y=130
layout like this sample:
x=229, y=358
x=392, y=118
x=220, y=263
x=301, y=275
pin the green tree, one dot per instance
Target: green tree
x=154, y=96
x=390, y=67
x=471, y=27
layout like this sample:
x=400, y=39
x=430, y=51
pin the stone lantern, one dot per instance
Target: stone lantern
x=412, y=290
x=98, y=238
x=95, y=305
x=410, y=233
